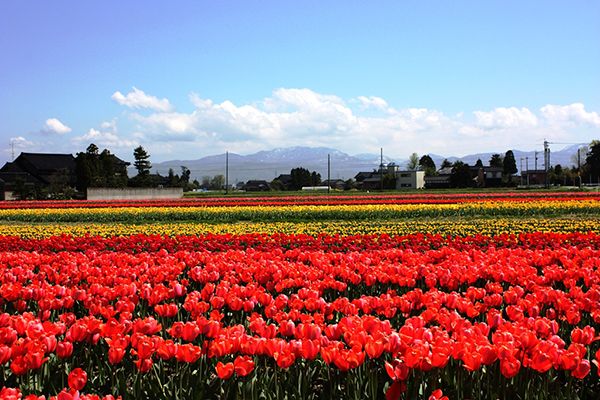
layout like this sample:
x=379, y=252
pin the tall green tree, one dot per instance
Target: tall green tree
x=315, y=178
x=479, y=163
x=184, y=180
x=300, y=177
x=142, y=163
x=496, y=161
x=413, y=162
x=99, y=169
x=217, y=182
x=509, y=164
x=172, y=179
x=461, y=175
x=426, y=163
x=446, y=164
x=592, y=160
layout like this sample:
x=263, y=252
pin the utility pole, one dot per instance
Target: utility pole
x=381, y=170
x=546, y=160
x=226, y=172
x=527, y=167
x=328, y=173
x=579, y=167
x=535, y=153
x=521, y=169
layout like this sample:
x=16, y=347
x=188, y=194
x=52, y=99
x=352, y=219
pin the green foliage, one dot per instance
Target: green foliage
x=461, y=175
x=427, y=165
x=509, y=164
x=592, y=161
x=142, y=163
x=217, y=182
x=302, y=177
x=413, y=162
x=496, y=161
x=94, y=169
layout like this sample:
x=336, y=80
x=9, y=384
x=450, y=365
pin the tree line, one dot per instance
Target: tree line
x=95, y=168
x=103, y=169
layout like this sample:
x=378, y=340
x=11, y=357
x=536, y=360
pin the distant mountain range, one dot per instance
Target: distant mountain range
x=269, y=164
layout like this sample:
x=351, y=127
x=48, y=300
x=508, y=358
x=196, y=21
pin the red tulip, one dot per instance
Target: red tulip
x=143, y=364
x=5, y=354
x=285, y=359
x=188, y=353
x=10, y=393
x=116, y=354
x=582, y=370
x=77, y=379
x=438, y=395
x=395, y=390
x=64, y=349
x=243, y=365
x=224, y=371
x=509, y=366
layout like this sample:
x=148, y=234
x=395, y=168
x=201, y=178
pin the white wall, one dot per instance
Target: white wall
x=133, y=193
x=410, y=180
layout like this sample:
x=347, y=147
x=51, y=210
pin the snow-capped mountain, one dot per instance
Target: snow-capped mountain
x=269, y=164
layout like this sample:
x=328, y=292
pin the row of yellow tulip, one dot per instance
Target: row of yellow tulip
x=449, y=226
x=370, y=212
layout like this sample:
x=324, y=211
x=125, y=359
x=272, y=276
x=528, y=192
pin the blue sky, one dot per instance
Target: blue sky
x=192, y=78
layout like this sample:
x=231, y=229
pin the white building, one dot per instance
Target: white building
x=410, y=180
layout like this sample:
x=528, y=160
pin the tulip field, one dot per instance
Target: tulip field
x=449, y=296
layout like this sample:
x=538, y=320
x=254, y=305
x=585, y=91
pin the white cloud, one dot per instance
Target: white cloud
x=297, y=117
x=20, y=142
x=570, y=114
x=138, y=99
x=373, y=101
x=54, y=126
x=300, y=116
x=503, y=118
x=107, y=137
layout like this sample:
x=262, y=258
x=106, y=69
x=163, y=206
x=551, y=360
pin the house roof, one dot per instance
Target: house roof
x=284, y=178
x=373, y=179
x=10, y=167
x=48, y=161
x=117, y=160
x=257, y=182
x=364, y=175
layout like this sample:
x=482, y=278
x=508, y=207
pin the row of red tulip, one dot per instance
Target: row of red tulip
x=403, y=305
x=417, y=242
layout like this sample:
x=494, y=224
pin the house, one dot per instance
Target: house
x=368, y=180
x=439, y=181
x=487, y=176
x=534, y=177
x=256, y=186
x=2, y=196
x=410, y=180
x=283, y=181
x=337, y=184
x=403, y=179
x=38, y=170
